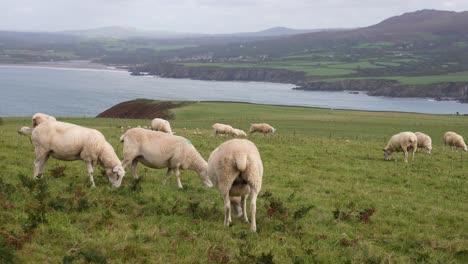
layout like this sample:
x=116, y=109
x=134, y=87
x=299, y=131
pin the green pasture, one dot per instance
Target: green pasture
x=323, y=170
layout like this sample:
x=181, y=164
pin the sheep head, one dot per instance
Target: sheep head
x=387, y=154
x=115, y=175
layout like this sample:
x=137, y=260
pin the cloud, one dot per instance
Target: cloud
x=207, y=16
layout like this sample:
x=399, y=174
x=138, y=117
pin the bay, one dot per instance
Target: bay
x=25, y=90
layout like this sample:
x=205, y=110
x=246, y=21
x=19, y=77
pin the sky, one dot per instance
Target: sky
x=207, y=16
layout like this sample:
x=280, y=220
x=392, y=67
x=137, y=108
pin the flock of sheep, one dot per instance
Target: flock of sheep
x=409, y=141
x=235, y=167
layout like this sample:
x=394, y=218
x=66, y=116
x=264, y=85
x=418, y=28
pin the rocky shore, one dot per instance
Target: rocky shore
x=374, y=87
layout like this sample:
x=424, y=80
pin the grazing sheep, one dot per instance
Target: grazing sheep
x=40, y=118
x=403, y=141
x=65, y=141
x=236, y=169
x=222, y=129
x=238, y=133
x=160, y=150
x=24, y=131
x=454, y=141
x=262, y=128
x=159, y=124
x=424, y=142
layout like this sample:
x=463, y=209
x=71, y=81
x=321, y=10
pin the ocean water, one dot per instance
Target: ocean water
x=25, y=90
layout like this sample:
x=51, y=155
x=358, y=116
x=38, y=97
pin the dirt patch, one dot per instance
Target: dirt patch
x=143, y=109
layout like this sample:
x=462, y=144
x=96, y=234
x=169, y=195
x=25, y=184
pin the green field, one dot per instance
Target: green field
x=322, y=168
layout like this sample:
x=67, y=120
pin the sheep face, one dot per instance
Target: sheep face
x=387, y=154
x=206, y=180
x=429, y=149
x=115, y=175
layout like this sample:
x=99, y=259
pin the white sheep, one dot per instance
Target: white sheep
x=159, y=124
x=40, y=118
x=424, y=142
x=65, y=141
x=161, y=150
x=236, y=169
x=454, y=140
x=238, y=133
x=222, y=129
x=403, y=141
x=262, y=128
x=24, y=131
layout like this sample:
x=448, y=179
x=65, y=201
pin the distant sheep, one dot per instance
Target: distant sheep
x=161, y=150
x=238, y=133
x=40, y=118
x=404, y=141
x=222, y=129
x=159, y=124
x=65, y=141
x=24, y=131
x=424, y=142
x=454, y=141
x=262, y=128
x=236, y=169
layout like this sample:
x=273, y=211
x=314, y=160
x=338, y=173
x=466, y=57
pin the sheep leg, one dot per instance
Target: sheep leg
x=414, y=150
x=177, y=174
x=90, y=173
x=253, y=210
x=133, y=169
x=167, y=175
x=244, y=208
x=227, y=209
x=39, y=165
x=405, y=151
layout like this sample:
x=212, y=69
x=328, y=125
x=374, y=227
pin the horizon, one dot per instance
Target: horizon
x=211, y=17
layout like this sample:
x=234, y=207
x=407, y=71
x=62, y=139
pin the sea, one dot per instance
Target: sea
x=75, y=92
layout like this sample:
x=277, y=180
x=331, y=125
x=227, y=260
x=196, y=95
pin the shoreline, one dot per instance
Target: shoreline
x=75, y=64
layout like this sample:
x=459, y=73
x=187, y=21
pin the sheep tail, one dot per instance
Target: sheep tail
x=240, y=161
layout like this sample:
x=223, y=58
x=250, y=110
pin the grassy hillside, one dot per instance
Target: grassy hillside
x=322, y=168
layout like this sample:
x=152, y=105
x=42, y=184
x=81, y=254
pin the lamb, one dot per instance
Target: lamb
x=162, y=125
x=238, y=133
x=24, y=131
x=65, y=141
x=222, y=129
x=40, y=118
x=424, y=142
x=403, y=141
x=236, y=169
x=262, y=128
x=160, y=150
x=454, y=140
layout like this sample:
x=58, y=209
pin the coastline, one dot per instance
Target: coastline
x=74, y=64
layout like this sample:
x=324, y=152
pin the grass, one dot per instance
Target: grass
x=375, y=45
x=322, y=168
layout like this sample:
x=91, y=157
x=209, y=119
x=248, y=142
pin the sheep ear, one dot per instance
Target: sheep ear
x=115, y=169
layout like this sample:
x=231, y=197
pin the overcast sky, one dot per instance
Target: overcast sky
x=207, y=16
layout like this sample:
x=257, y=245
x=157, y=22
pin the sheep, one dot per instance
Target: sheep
x=24, y=131
x=39, y=118
x=159, y=124
x=424, y=142
x=236, y=169
x=159, y=150
x=65, y=141
x=238, y=133
x=262, y=128
x=454, y=141
x=222, y=129
x=403, y=141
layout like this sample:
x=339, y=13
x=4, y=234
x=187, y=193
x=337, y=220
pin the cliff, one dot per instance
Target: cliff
x=377, y=87
x=219, y=73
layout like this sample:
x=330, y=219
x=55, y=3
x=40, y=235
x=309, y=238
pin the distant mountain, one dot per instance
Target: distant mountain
x=126, y=32
x=279, y=31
